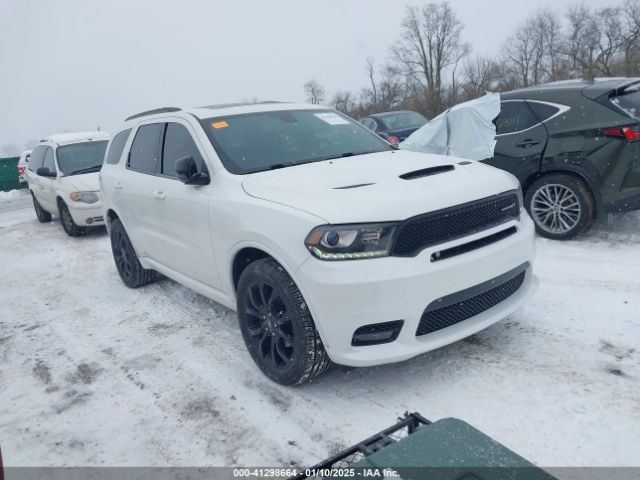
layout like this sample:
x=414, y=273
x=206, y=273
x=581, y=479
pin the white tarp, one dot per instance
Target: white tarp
x=465, y=130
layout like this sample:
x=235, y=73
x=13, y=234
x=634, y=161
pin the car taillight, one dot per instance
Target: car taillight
x=393, y=139
x=622, y=132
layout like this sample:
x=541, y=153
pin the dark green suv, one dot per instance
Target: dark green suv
x=575, y=147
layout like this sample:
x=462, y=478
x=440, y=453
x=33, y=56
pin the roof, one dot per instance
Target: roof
x=67, y=138
x=226, y=109
x=591, y=88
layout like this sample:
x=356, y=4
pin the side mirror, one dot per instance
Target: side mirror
x=188, y=173
x=45, y=172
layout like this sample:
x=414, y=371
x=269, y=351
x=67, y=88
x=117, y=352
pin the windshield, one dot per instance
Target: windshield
x=629, y=103
x=403, y=120
x=80, y=158
x=255, y=142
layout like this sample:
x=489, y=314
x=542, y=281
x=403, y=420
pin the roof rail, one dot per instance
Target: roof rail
x=155, y=110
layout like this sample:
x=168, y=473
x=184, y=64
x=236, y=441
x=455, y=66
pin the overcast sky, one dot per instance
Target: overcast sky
x=68, y=65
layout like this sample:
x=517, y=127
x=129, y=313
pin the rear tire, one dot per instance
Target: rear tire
x=277, y=326
x=68, y=224
x=41, y=213
x=561, y=206
x=127, y=263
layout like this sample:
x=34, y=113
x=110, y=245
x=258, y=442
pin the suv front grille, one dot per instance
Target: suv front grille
x=441, y=226
x=468, y=303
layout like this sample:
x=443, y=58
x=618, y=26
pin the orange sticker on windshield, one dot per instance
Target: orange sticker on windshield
x=222, y=124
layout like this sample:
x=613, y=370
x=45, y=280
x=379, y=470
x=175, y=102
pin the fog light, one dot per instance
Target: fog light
x=377, y=333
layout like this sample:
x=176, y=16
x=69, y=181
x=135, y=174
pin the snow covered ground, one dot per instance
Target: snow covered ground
x=13, y=196
x=92, y=373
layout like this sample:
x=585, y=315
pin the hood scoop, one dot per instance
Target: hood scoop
x=358, y=185
x=427, y=172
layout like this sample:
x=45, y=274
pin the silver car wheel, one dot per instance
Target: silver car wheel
x=556, y=208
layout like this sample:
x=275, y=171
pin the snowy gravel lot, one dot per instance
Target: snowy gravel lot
x=92, y=373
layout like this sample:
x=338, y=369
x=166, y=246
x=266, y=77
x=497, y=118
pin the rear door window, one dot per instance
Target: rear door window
x=515, y=117
x=178, y=143
x=143, y=156
x=543, y=111
x=37, y=157
x=116, y=147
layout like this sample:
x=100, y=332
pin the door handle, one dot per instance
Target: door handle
x=117, y=185
x=529, y=142
x=159, y=194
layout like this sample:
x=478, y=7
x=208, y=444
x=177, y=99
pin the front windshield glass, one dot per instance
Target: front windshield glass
x=255, y=142
x=402, y=120
x=77, y=158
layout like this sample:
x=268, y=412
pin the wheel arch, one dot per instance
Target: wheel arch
x=245, y=257
x=58, y=200
x=110, y=216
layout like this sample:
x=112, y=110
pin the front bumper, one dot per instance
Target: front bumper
x=343, y=296
x=87, y=214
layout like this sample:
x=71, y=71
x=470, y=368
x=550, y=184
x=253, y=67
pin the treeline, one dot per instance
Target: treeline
x=430, y=67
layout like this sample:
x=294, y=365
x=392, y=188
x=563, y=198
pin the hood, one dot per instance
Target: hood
x=88, y=182
x=368, y=188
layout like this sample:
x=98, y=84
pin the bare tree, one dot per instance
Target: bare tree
x=431, y=44
x=479, y=75
x=372, y=81
x=535, y=50
x=314, y=91
x=345, y=102
x=611, y=39
x=581, y=42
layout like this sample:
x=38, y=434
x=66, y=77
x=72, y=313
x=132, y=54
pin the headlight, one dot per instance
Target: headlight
x=351, y=242
x=84, y=197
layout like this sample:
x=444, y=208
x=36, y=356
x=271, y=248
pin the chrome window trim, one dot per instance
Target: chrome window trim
x=561, y=109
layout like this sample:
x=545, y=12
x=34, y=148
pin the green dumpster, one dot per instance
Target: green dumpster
x=9, y=174
x=416, y=449
x=450, y=449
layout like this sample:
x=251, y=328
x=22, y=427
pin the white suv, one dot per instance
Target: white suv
x=63, y=179
x=329, y=242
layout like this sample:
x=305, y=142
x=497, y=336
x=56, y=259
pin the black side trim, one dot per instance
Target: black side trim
x=476, y=244
x=426, y=172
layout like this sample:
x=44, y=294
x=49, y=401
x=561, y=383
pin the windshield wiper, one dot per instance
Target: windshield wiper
x=95, y=168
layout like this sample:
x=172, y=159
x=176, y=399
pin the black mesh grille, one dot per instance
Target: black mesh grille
x=436, y=319
x=415, y=234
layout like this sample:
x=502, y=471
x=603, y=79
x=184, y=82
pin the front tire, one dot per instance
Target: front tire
x=41, y=213
x=127, y=263
x=561, y=206
x=68, y=223
x=277, y=326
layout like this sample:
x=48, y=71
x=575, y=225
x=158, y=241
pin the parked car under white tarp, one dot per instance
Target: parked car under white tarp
x=465, y=130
